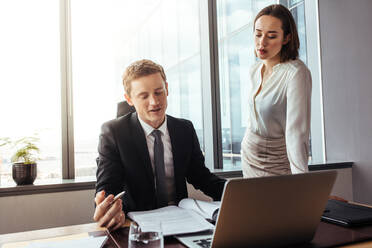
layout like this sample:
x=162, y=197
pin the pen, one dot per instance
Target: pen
x=118, y=196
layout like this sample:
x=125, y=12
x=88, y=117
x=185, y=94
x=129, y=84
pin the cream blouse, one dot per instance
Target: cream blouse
x=283, y=108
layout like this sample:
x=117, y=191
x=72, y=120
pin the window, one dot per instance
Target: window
x=30, y=88
x=75, y=52
x=102, y=48
x=235, y=47
x=96, y=73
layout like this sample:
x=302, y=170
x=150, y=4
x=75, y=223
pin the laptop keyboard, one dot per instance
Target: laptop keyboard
x=204, y=243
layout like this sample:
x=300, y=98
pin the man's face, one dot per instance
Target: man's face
x=149, y=96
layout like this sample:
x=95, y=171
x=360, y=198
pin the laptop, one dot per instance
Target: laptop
x=272, y=211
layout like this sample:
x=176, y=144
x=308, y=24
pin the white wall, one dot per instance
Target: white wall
x=39, y=211
x=29, y=212
x=346, y=54
x=343, y=185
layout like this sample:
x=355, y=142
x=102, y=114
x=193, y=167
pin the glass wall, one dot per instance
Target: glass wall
x=106, y=36
x=236, y=55
x=111, y=36
x=30, y=84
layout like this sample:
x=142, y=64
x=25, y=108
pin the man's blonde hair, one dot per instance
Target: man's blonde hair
x=141, y=68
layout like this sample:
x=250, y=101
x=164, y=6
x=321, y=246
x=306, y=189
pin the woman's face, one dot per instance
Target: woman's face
x=269, y=38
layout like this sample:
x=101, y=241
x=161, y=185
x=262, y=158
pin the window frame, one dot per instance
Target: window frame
x=68, y=151
x=314, y=64
x=210, y=90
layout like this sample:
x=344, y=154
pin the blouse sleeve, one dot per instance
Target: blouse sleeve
x=298, y=120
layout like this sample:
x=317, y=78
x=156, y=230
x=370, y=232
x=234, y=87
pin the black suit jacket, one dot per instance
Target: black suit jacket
x=124, y=163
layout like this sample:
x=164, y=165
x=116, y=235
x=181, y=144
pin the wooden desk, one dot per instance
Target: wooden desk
x=323, y=231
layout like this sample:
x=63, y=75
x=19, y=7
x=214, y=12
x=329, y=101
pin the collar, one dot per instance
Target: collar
x=275, y=67
x=148, y=129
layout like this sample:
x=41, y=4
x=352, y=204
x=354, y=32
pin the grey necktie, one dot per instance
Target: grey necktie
x=161, y=189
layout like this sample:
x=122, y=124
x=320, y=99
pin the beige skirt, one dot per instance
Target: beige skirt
x=263, y=156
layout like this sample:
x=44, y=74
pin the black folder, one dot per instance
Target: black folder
x=347, y=214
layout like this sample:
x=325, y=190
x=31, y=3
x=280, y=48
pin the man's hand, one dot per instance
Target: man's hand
x=107, y=214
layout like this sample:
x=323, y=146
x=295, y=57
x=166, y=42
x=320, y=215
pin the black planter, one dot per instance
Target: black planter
x=24, y=173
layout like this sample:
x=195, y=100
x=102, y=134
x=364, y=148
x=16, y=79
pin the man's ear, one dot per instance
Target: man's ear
x=287, y=39
x=166, y=87
x=129, y=100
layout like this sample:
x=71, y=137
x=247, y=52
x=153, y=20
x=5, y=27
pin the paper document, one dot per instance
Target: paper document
x=88, y=242
x=174, y=220
x=207, y=209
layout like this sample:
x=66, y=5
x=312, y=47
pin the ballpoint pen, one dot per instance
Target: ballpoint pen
x=118, y=196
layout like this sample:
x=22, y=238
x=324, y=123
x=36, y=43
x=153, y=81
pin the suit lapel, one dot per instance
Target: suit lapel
x=175, y=138
x=139, y=139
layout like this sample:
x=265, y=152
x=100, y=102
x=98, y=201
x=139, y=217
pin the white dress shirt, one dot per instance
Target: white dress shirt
x=168, y=155
x=282, y=109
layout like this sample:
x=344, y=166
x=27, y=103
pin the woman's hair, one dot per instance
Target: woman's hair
x=290, y=50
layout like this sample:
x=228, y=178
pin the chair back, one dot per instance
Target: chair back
x=124, y=108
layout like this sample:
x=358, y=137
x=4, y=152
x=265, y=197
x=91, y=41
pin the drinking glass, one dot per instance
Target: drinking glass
x=146, y=234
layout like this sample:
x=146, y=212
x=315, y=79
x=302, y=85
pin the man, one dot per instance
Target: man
x=148, y=154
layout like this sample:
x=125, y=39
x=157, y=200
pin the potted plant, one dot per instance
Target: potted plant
x=24, y=168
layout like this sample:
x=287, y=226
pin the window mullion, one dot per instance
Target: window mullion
x=214, y=89
x=68, y=168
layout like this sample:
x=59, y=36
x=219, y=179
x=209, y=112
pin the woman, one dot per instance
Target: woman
x=276, y=141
